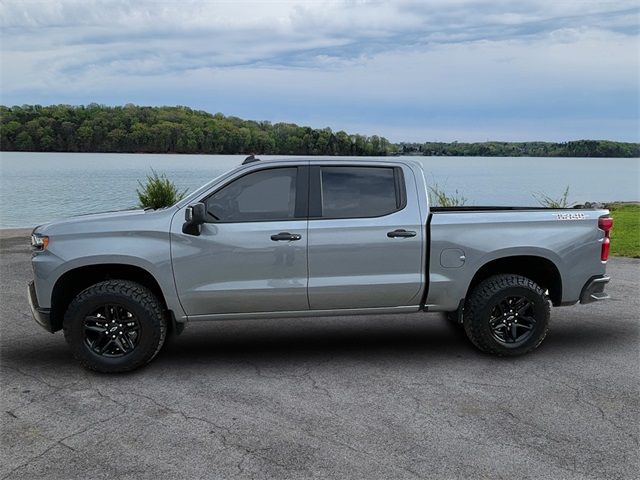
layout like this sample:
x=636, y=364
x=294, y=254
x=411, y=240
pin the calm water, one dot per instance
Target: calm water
x=40, y=187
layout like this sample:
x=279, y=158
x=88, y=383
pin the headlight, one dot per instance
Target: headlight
x=39, y=242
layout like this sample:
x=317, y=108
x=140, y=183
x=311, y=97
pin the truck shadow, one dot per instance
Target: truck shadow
x=429, y=338
x=320, y=339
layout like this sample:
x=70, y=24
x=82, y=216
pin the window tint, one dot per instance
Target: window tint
x=259, y=196
x=358, y=192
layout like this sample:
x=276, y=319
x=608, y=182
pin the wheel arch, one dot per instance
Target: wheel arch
x=73, y=281
x=539, y=269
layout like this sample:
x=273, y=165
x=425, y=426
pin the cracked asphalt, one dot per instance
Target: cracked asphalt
x=384, y=397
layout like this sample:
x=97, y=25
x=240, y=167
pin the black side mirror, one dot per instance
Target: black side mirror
x=194, y=216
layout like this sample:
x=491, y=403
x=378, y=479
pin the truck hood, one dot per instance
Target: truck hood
x=107, y=222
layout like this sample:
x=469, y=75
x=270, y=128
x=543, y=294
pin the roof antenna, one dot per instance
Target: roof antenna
x=250, y=159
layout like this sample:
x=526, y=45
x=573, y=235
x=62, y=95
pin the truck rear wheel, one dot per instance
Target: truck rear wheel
x=115, y=326
x=507, y=315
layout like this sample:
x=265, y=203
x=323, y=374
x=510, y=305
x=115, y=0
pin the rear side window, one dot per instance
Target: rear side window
x=256, y=197
x=355, y=192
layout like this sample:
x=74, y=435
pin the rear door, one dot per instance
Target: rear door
x=365, y=237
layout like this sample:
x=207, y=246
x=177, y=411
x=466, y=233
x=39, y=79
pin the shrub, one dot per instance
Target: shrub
x=439, y=198
x=158, y=192
x=550, y=202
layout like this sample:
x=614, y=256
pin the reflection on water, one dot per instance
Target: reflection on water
x=41, y=187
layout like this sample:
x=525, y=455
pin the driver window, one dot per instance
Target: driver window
x=256, y=197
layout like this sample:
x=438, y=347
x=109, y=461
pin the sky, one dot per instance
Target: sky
x=430, y=70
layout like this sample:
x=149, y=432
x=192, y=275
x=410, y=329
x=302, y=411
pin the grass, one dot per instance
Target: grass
x=625, y=236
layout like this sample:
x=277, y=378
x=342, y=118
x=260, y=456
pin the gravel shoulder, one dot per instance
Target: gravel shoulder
x=395, y=396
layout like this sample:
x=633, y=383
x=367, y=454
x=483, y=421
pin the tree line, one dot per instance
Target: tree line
x=134, y=129
x=577, y=148
x=137, y=129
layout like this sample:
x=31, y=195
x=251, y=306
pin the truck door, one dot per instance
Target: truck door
x=252, y=254
x=365, y=237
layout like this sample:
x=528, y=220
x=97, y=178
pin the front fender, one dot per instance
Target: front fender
x=67, y=253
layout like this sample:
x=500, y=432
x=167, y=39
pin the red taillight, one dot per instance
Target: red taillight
x=606, y=224
x=604, y=253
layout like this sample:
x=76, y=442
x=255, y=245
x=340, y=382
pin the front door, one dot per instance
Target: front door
x=252, y=254
x=365, y=239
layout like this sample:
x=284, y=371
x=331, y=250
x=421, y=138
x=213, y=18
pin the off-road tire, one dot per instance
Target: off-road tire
x=484, y=298
x=135, y=298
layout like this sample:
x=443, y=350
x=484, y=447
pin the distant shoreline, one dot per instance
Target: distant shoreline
x=181, y=130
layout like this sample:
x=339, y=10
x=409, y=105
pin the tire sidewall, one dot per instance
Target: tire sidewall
x=477, y=323
x=147, y=344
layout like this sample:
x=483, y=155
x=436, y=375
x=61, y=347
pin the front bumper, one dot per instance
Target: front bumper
x=41, y=315
x=593, y=290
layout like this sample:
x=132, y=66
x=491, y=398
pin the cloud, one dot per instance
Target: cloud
x=373, y=64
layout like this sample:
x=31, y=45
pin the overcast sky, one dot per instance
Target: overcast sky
x=409, y=70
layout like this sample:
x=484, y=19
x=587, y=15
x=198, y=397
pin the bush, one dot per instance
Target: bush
x=158, y=192
x=550, y=202
x=439, y=198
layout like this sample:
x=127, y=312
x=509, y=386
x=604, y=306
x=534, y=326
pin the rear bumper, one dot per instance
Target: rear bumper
x=41, y=315
x=593, y=290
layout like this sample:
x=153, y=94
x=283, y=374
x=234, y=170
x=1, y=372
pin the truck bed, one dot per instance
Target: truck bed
x=464, y=239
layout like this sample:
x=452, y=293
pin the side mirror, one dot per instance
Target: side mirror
x=194, y=216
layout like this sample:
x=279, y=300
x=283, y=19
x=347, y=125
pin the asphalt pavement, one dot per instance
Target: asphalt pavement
x=385, y=397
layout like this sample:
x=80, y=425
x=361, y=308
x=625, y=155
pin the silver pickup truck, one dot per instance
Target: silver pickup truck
x=294, y=238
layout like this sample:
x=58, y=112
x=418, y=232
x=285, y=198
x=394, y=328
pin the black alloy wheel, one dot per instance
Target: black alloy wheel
x=507, y=315
x=512, y=320
x=115, y=326
x=111, y=331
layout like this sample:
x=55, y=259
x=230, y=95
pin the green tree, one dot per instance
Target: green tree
x=131, y=128
x=24, y=142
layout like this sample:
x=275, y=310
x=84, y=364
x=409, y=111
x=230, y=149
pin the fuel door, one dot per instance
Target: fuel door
x=452, y=258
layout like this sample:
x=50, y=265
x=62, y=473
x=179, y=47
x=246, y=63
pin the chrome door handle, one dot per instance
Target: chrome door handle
x=282, y=236
x=402, y=233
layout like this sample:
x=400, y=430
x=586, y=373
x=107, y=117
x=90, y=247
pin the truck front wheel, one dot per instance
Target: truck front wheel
x=507, y=315
x=115, y=326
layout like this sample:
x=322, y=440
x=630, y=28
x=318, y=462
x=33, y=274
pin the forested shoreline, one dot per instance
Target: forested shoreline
x=138, y=129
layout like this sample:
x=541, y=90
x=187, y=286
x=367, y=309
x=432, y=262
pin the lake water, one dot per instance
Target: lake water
x=41, y=187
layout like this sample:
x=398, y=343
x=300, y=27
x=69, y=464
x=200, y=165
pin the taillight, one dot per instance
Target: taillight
x=604, y=253
x=606, y=224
